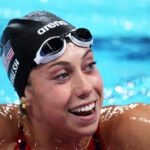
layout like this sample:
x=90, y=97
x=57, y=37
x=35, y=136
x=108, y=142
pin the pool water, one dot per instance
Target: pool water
x=124, y=64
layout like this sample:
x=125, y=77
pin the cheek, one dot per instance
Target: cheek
x=98, y=82
x=53, y=102
x=62, y=93
x=55, y=95
x=98, y=85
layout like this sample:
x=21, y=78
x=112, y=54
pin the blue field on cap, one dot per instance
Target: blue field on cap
x=121, y=43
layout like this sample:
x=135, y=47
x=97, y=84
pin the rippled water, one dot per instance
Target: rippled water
x=124, y=64
x=136, y=89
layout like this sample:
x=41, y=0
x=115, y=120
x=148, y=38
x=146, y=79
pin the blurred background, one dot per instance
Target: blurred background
x=122, y=42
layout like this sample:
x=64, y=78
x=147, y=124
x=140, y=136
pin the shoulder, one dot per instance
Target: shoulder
x=126, y=126
x=9, y=112
x=9, y=124
x=134, y=110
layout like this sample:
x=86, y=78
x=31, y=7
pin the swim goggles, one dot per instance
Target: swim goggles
x=54, y=47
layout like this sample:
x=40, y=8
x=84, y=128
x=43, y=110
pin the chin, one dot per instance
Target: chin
x=89, y=130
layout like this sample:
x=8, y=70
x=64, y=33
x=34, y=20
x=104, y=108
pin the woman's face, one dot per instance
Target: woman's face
x=66, y=94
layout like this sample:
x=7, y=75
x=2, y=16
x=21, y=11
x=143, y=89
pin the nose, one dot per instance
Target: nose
x=82, y=87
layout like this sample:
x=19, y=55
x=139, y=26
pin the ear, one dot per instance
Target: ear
x=28, y=94
x=24, y=102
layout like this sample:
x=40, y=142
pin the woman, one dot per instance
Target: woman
x=51, y=66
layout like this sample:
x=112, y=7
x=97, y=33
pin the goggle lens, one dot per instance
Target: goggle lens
x=82, y=34
x=52, y=46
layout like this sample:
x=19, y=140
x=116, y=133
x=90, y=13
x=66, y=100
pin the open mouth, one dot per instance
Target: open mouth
x=84, y=110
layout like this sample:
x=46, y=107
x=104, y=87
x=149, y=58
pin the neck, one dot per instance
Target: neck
x=53, y=143
x=68, y=144
x=40, y=137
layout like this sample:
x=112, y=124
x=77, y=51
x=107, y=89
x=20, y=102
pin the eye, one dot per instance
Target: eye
x=62, y=76
x=90, y=66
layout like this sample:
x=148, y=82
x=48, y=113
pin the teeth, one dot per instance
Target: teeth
x=84, y=108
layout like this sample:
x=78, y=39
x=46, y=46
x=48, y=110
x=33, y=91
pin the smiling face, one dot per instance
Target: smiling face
x=66, y=94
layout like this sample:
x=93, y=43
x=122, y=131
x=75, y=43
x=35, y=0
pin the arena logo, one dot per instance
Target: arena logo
x=51, y=25
x=13, y=71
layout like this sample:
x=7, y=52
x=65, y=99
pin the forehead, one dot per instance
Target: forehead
x=73, y=51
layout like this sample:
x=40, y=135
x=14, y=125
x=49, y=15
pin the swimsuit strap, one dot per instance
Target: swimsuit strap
x=97, y=143
x=98, y=140
x=22, y=145
x=21, y=142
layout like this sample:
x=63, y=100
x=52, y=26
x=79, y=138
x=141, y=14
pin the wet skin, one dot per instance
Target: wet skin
x=70, y=82
x=55, y=92
x=121, y=127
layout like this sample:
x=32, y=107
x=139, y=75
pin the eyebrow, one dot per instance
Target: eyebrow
x=65, y=63
x=86, y=53
x=62, y=63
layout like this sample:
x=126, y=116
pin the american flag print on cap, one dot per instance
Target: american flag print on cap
x=7, y=55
